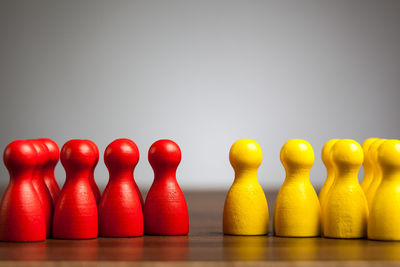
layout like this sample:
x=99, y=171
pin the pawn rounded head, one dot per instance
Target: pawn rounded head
x=95, y=148
x=164, y=154
x=121, y=153
x=347, y=153
x=367, y=143
x=389, y=154
x=326, y=152
x=297, y=153
x=245, y=153
x=372, y=155
x=53, y=150
x=365, y=146
x=42, y=151
x=78, y=153
x=19, y=154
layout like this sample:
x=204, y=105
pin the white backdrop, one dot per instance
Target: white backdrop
x=203, y=73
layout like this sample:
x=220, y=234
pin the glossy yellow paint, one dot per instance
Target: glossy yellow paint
x=297, y=211
x=377, y=170
x=345, y=211
x=326, y=157
x=384, y=219
x=367, y=164
x=246, y=208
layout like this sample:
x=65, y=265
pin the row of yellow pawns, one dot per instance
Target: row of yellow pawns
x=344, y=208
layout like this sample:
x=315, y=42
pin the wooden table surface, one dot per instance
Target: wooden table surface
x=205, y=245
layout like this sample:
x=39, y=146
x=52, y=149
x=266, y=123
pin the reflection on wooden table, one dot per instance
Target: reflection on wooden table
x=205, y=243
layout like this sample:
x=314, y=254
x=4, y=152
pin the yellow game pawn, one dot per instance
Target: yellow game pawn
x=377, y=170
x=330, y=173
x=345, y=211
x=246, y=208
x=297, y=211
x=384, y=219
x=326, y=156
x=367, y=164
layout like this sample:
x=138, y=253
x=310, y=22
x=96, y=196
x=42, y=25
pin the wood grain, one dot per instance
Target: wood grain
x=205, y=245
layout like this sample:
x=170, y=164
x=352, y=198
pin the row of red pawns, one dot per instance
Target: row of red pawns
x=34, y=208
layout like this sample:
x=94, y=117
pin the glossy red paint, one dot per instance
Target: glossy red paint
x=39, y=183
x=165, y=210
x=75, y=214
x=22, y=216
x=93, y=185
x=48, y=169
x=120, y=209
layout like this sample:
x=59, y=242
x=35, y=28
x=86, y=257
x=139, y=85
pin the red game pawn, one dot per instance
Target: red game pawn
x=120, y=209
x=21, y=212
x=48, y=169
x=165, y=210
x=39, y=184
x=75, y=214
x=93, y=185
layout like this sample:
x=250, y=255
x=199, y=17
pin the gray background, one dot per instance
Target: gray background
x=203, y=73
